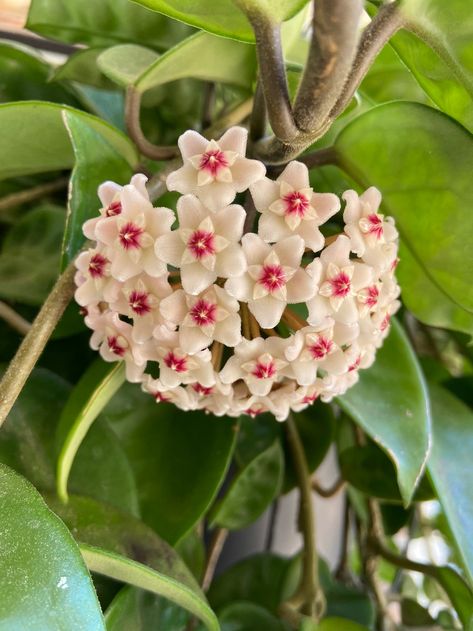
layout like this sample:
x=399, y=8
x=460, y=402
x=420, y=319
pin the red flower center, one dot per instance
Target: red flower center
x=310, y=398
x=115, y=346
x=178, y=364
x=264, y=371
x=385, y=323
x=340, y=285
x=355, y=365
x=296, y=204
x=160, y=397
x=203, y=313
x=371, y=295
x=272, y=277
x=212, y=161
x=321, y=347
x=375, y=225
x=129, y=236
x=97, y=266
x=115, y=208
x=201, y=243
x=200, y=389
x=139, y=302
x=254, y=411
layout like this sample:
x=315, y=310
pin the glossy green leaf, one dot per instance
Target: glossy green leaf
x=40, y=563
x=260, y=579
x=30, y=256
x=252, y=491
x=95, y=162
x=370, y=470
x=100, y=525
x=417, y=156
x=131, y=572
x=35, y=140
x=137, y=610
x=440, y=54
x=192, y=550
x=102, y=23
x=123, y=64
x=333, y=624
x=27, y=444
x=426, y=300
x=179, y=458
x=202, y=56
x=224, y=18
x=413, y=615
x=95, y=389
x=82, y=67
x=391, y=404
x=245, y=616
x=25, y=76
x=449, y=465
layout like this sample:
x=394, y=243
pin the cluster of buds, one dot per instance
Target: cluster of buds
x=212, y=314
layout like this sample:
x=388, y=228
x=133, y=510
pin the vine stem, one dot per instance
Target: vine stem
x=215, y=549
x=14, y=319
x=30, y=194
x=33, y=344
x=309, y=597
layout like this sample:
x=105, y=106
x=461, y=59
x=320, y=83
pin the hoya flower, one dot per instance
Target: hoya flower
x=366, y=227
x=312, y=349
x=339, y=280
x=162, y=394
x=211, y=315
x=177, y=367
x=113, y=339
x=213, y=170
x=93, y=279
x=289, y=206
x=139, y=299
x=274, y=278
x=259, y=363
x=205, y=246
x=129, y=236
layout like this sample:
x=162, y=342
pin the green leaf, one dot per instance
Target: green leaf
x=426, y=300
x=441, y=56
x=413, y=615
x=102, y=23
x=224, y=18
x=192, y=551
x=448, y=464
x=123, y=64
x=417, y=156
x=40, y=563
x=334, y=624
x=35, y=140
x=260, y=579
x=202, y=56
x=96, y=161
x=122, y=569
x=245, y=616
x=252, y=491
x=137, y=610
x=30, y=256
x=391, y=403
x=370, y=470
x=94, y=390
x=27, y=444
x=179, y=458
x=25, y=76
x=82, y=67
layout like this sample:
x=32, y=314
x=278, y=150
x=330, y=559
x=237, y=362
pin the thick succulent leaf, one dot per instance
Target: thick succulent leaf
x=370, y=471
x=102, y=23
x=179, y=458
x=252, y=491
x=82, y=67
x=449, y=467
x=35, y=140
x=25, y=76
x=440, y=54
x=416, y=155
x=246, y=616
x=332, y=624
x=390, y=402
x=96, y=161
x=27, y=444
x=138, y=610
x=123, y=569
x=30, y=255
x=40, y=563
x=224, y=18
x=94, y=390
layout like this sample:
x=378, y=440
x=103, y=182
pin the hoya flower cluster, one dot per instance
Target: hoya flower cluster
x=211, y=313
